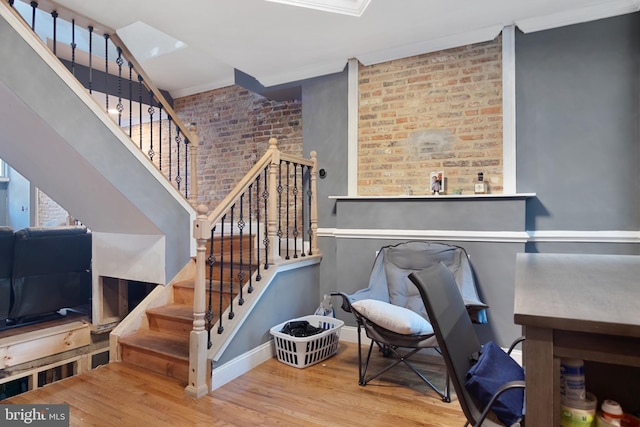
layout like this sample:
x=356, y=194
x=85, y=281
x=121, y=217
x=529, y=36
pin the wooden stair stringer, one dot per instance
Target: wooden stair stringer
x=220, y=342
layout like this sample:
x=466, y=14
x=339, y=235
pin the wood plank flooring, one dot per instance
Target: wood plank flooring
x=272, y=394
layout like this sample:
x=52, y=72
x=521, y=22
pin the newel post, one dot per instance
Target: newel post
x=313, y=209
x=272, y=210
x=198, y=371
x=195, y=143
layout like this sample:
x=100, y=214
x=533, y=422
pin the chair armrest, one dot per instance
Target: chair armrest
x=515, y=343
x=507, y=386
x=346, y=302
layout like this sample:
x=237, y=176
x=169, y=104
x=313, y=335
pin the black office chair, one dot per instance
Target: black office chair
x=459, y=344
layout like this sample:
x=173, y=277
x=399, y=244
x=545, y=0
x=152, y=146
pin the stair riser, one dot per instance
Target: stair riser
x=162, y=364
x=217, y=244
x=174, y=326
x=227, y=273
x=185, y=296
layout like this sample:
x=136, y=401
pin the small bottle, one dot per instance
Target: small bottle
x=480, y=186
x=612, y=412
x=572, y=380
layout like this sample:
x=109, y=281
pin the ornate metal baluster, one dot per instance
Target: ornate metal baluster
x=279, y=189
x=250, y=288
x=140, y=108
x=151, y=111
x=287, y=210
x=130, y=100
x=170, y=140
x=295, y=210
x=106, y=72
x=54, y=15
x=186, y=166
x=90, y=59
x=258, y=275
x=220, y=327
x=73, y=47
x=231, y=262
x=160, y=136
x=209, y=314
x=34, y=6
x=310, y=231
x=120, y=107
x=178, y=177
x=302, y=209
x=241, y=225
x=265, y=196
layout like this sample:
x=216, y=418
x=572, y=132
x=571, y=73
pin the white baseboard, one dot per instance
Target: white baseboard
x=241, y=364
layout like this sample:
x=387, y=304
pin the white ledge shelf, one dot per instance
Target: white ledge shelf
x=517, y=196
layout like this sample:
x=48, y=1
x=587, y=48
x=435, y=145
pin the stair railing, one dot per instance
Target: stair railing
x=272, y=215
x=118, y=77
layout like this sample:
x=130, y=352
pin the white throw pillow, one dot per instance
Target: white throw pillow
x=393, y=317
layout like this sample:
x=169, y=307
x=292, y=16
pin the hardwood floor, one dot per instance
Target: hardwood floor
x=272, y=394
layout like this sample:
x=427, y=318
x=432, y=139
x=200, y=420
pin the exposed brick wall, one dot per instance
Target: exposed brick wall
x=438, y=111
x=49, y=212
x=234, y=126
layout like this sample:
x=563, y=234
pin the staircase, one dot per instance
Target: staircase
x=163, y=346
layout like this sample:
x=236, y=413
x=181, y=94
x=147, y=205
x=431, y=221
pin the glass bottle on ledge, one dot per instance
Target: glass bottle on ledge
x=480, y=186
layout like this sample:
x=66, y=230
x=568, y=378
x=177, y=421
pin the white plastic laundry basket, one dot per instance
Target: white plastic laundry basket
x=306, y=351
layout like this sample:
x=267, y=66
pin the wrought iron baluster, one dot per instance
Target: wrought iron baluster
x=231, y=262
x=178, y=177
x=220, y=327
x=310, y=231
x=120, y=107
x=302, y=208
x=151, y=111
x=140, y=108
x=160, y=136
x=90, y=59
x=130, y=100
x=106, y=72
x=54, y=15
x=186, y=167
x=241, y=225
x=287, y=213
x=211, y=259
x=265, y=196
x=73, y=47
x=250, y=288
x=295, y=210
x=279, y=189
x=34, y=6
x=258, y=275
x=170, y=140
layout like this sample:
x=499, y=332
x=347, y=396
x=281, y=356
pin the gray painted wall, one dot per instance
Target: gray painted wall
x=293, y=292
x=578, y=140
x=325, y=123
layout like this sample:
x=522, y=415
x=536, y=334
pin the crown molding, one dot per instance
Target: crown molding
x=577, y=16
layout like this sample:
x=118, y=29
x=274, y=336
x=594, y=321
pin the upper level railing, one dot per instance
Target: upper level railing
x=270, y=215
x=99, y=59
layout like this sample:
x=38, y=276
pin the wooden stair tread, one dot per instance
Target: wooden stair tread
x=158, y=342
x=182, y=312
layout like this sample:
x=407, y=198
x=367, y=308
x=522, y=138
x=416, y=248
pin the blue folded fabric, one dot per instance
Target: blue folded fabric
x=493, y=369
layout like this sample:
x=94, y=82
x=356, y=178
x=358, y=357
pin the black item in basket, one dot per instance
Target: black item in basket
x=300, y=328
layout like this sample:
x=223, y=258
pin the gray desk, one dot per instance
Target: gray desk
x=578, y=306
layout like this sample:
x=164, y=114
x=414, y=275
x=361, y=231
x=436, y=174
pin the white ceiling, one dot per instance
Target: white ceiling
x=201, y=42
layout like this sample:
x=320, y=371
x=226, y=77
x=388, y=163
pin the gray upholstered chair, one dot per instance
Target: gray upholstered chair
x=391, y=312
